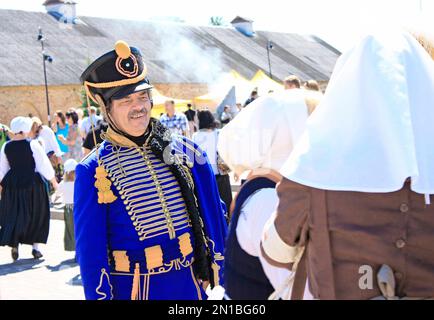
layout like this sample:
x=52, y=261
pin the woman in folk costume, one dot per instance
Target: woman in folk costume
x=24, y=205
x=149, y=222
x=259, y=140
x=354, y=206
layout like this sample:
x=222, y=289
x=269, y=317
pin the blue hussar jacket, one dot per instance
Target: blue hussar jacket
x=139, y=218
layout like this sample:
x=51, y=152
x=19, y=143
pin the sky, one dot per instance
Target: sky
x=339, y=22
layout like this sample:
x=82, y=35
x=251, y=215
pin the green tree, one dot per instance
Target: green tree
x=84, y=102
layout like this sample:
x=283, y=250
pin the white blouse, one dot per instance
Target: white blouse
x=66, y=189
x=42, y=163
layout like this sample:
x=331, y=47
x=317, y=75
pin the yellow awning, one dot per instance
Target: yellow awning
x=264, y=83
x=212, y=99
x=159, y=100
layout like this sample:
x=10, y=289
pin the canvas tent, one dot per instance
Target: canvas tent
x=264, y=83
x=159, y=100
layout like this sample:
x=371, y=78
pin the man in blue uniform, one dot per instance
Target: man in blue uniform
x=149, y=222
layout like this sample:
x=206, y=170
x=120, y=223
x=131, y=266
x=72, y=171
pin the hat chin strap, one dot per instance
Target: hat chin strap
x=110, y=121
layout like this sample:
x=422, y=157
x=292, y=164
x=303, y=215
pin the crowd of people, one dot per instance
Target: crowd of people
x=37, y=169
x=334, y=184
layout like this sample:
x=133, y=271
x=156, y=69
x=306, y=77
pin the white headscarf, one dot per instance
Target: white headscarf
x=21, y=124
x=264, y=133
x=375, y=125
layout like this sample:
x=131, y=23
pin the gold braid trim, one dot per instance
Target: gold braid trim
x=135, y=291
x=103, y=294
x=215, y=267
x=117, y=83
x=117, y=139
x=105, y=194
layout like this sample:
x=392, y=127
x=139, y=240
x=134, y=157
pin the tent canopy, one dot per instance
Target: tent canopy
x=264, y=83
x=212, y=99
x=159, y=100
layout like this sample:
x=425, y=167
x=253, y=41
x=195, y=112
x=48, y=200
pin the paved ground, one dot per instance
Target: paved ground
x=54, y=277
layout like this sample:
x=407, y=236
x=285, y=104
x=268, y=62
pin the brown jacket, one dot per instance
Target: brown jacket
x=346, y=232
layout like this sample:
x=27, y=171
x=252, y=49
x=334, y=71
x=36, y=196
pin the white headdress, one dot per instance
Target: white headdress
x=264, y=133
x=375, y=125
x=21, y=124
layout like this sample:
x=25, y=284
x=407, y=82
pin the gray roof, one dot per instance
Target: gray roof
x=174, y=53
x=240, y=19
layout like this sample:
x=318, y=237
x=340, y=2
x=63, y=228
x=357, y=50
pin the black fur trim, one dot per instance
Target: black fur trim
x=159, y=139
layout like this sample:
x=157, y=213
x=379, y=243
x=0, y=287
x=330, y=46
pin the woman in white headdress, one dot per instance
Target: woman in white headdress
x=355, y=200
x=258, y=141
x=24, y=206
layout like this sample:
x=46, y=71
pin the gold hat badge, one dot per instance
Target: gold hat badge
x=125, y=59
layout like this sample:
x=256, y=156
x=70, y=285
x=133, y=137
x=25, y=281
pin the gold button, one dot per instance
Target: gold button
x=404, y=207
x=400, y=243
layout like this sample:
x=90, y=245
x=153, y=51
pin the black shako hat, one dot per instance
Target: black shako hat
x=116, y=74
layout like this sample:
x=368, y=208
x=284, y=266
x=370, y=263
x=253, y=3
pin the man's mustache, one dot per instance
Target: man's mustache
x=137, y=112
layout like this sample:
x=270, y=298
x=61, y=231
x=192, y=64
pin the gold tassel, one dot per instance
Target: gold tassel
x=136, y=280
x=105, y=194
x=215, y=268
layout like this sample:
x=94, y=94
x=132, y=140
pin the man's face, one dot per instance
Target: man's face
x=170, y=108
x=131, y=114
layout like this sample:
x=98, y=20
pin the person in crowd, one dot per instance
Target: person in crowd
x=24, y=205
x=355, y=211
x=5, y=134
x=226, y=116
x=257, y=142
x=312, y=85
x=66, y=190
x=91, y=138
x=292, y=82
x=253, y=96
x=192, y=119
x=80, y=114
x=60, y=129
x=73, y=140
x=207, y=138
x=48, y=140
x=86, y=123
x=176, y=122
x=149, y=222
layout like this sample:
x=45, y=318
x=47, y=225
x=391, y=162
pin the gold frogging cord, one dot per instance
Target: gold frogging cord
x=102, y=183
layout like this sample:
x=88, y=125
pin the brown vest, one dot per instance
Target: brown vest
x=350, y=235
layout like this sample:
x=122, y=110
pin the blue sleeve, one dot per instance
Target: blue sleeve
x=91, y=235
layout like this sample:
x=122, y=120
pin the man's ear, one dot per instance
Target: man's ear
x=101, y=103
